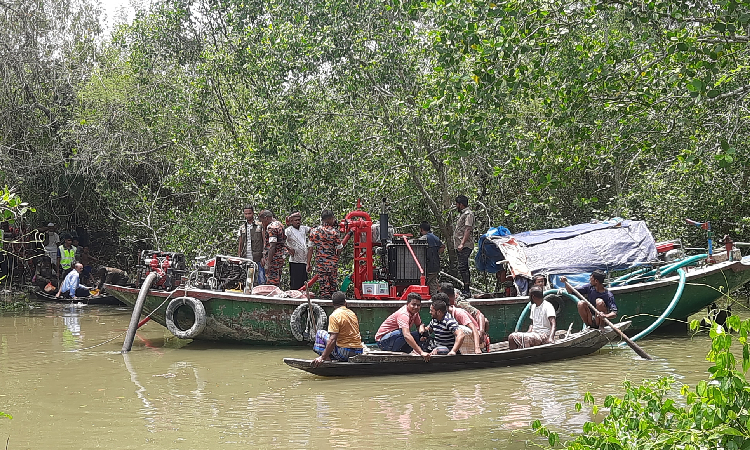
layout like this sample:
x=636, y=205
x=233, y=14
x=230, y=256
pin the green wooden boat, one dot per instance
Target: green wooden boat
x=252, y=319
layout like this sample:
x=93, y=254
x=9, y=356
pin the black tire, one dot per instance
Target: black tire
x=178, y=327
x=557, y=302
x=300, y=325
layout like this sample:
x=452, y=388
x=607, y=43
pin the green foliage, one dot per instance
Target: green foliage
x=2, y=414
x=543, y=113
x=714, y=415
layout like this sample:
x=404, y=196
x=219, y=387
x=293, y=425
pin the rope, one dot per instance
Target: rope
x=121, y=334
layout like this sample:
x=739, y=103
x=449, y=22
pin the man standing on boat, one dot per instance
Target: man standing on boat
x=543, y=323
x=250, y=239
x=275, y=243
x=395, y=335
x=342, y=340
x=296, y=245
x=463, y=241
x=434, y=248
x=51, y=241
x=597, y=295
x=326, y=243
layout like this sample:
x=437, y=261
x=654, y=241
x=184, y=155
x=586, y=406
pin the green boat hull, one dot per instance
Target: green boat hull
x=251, y=319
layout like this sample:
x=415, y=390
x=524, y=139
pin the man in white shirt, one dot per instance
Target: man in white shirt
x=51, y=241
x=296, y=245
x=543, y=323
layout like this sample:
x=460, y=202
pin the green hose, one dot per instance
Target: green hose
x=666, y=312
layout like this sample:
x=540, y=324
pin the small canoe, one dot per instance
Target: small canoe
x=101, y=299
x=389, y=363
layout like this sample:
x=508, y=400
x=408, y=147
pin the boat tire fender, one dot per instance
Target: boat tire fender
x=299, y=324
x=199, y=312
x=557, y=302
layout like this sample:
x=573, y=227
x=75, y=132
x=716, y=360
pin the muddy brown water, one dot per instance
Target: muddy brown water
x=165, y=394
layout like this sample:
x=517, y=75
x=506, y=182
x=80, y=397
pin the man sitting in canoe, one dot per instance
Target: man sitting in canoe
x=448, y=334
x=394, y=334
x=483, y=324
x=597, y=295
x=543, y=323
x=71, y=287
x=342, y=340
x=477, y=338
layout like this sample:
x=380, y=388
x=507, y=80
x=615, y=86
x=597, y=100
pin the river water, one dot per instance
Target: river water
x=165, y=394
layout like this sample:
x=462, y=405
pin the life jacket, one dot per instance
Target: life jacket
x=67, y=257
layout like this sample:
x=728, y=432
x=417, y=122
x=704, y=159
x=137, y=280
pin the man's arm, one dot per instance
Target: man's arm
x=568, y=287
x=413, y=344
x=326, y=355
x=442, y=248
x=460, y=335
x=552, y=328
x=309, y=258
x=271, y=253
x=475, y=333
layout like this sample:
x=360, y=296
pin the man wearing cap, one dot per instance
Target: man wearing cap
x=51, y=241
x=273, y=252
x=597, y=295
x=543, y=323
x=296, y=245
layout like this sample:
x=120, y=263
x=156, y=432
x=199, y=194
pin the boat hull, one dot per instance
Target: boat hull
x=102, y=299
x=253, y=319
x=390, y=364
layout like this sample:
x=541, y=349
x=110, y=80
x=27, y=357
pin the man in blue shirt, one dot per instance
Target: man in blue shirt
x=71, y=287
x=597, y=295
x=434, y=248
x=448, y=333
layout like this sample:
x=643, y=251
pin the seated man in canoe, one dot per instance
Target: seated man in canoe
x=71, y=287
x=342, y=340
x=477, y=340
x=448, y=334
x=543, y=323
x=597, y=295
x=483, y=324
x=395, y=333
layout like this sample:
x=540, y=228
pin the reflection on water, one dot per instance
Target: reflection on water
x=206, y=396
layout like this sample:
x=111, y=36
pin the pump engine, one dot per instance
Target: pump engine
x=169, y=267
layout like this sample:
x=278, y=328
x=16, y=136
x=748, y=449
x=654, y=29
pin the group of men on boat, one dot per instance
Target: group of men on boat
x=455, y=328
x=268, y=243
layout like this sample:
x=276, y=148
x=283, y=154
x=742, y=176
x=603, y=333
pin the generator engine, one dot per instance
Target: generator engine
x=168, y=266
x=231, y=272
x=402, y=269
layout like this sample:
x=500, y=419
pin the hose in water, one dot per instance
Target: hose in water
x=137, y=309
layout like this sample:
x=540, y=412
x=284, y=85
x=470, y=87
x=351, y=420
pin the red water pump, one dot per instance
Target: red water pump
x=168, y=266
x=369, y=281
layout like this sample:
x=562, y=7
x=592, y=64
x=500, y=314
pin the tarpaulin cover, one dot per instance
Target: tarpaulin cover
x=487, y=253
x=584, y=248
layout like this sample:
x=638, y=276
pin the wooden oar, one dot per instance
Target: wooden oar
x=629, y=341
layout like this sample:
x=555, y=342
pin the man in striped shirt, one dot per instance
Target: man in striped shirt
x=447, y=332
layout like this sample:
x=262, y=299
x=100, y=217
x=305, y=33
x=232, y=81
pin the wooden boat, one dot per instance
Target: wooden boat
x=388, y=363
x=254, y=319
x=103, y=298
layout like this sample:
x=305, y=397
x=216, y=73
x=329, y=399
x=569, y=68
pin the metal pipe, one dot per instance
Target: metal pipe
x=421, y=271
x=137, y=309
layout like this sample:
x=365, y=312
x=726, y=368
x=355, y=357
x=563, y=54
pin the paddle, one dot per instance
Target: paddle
x=595, y=311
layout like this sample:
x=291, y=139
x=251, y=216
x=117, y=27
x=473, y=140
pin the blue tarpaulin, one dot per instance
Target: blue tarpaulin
x=487, y=253
x=583, y=248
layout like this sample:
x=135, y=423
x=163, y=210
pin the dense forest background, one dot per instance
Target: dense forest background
x=544, y=113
